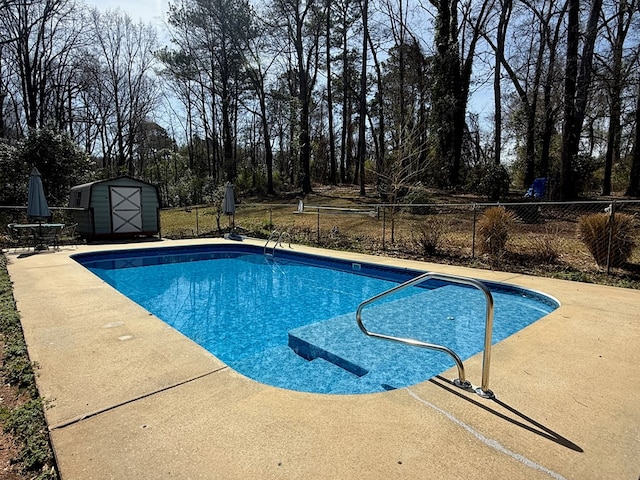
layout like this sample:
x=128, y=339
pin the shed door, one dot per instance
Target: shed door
x=126, y=209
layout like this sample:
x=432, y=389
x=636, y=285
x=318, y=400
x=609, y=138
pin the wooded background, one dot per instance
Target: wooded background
x=284, y=94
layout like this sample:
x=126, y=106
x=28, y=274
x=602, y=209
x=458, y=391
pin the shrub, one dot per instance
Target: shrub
x=595, y=231
x=492, y=181
x=584, y=174
x=429, y=236
x=493, y=230
x=419, y=199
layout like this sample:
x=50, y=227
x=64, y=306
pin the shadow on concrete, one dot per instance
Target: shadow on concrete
x=531, y=425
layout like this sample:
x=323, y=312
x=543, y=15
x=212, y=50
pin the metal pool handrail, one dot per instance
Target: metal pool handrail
x=278, y=236
x=281, y=237
x=461, y=381
x=273, y=235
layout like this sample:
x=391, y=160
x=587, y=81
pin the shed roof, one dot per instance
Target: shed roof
x=128, y=177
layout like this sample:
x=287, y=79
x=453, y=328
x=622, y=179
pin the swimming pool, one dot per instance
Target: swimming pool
x=289, y=320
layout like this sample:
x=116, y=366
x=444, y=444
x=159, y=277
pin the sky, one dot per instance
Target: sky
x=155, y=11
x=145, y=10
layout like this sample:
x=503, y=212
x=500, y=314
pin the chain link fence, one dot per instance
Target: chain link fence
x=537, y=237
x=581, y=236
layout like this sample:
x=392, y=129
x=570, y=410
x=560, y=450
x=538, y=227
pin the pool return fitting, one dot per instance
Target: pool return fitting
x=461, y=381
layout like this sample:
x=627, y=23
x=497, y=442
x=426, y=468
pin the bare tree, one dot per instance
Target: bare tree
x=615, y=75
x=379, y=136
x=347, y=13
x=362, y=110
x=539, y=33
x=300, y=21
x=260, y=59
x=191, y=72
x=333, y=164
x=505, y=13
x=119, y=84
x=38, y=37
x=633, y=190
x=215, y=32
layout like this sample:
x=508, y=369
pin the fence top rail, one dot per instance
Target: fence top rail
x=577, y=202
x=368, y=206
x=24, y=207
x=342, y=209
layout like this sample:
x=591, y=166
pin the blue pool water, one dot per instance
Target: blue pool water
x=289, y=320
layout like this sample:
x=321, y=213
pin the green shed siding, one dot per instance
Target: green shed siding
x=101, y=211
x=83, y=219
x=95, y=198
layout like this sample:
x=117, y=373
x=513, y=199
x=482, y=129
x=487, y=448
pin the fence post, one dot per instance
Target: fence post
x=384, y=225
x=318, y=226
x=612, y=219
x=197, y=226
x=473, y=236
x=393, y=224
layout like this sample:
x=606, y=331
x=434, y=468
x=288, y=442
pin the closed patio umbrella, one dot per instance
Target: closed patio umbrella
x=37, y=207
x=229, y=209
x=229, y=203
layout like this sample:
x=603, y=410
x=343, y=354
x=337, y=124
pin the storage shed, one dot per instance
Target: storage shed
x=121, y=207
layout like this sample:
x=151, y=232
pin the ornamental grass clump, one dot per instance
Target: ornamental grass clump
x=596, y=230
x=494, y=228
x=430, y=236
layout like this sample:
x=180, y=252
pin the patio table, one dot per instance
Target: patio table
x=42, y=233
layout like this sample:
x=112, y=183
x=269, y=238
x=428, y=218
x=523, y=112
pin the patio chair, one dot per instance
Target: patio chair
x=47, y=236
x=19, y=238
x=9, y=239
x=68, y=235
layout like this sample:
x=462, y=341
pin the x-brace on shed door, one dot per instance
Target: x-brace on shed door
x=126, y=209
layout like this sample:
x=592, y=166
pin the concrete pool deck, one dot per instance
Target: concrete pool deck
x=132, y=398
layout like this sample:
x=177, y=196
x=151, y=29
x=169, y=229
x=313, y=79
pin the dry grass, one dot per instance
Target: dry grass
x=550, y=246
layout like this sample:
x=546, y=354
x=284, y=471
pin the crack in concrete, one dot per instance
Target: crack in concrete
x=135, y=399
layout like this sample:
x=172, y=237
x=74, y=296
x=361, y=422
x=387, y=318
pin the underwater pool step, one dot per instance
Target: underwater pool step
x=339, y=340
x=280, y=365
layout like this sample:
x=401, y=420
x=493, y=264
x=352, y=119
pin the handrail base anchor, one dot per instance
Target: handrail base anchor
x=465, y=385
x=485, y=393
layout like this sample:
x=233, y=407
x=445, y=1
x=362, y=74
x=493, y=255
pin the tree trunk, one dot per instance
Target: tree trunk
x=633, y=190
x=346, y=120
x=305, y=100
x=268, y=151
x=333, y=167
x=446, y=73
x=380, y=150
x=362, y=147
x=576, y=91
x=612, y=154
x=503, y=23
x=450, y=90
